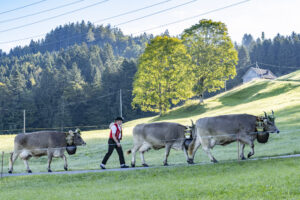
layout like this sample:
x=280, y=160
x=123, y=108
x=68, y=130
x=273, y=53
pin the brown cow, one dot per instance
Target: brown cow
x=225, y=129
x=159, y=135
x=50, y=143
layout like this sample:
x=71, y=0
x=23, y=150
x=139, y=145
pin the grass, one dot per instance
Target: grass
x=294, y=76
x=247, y=180
x=267, y=179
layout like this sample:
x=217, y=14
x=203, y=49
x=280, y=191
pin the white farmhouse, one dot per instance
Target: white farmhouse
x=257, y=73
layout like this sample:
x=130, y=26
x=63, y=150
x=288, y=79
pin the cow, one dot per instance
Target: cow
x=159, y=135
x=225, y=129
x=41, y=143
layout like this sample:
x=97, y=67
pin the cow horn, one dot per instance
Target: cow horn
x=265, y=114
x=192, y=123
x=272, y=112
x=77, y=130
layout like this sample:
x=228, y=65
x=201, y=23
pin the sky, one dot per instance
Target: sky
x=32, y=19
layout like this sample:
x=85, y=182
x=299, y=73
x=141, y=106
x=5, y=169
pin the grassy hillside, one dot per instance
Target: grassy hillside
x=294, y=76
x=246, y=180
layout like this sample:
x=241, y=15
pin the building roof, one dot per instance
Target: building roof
x=262, y=73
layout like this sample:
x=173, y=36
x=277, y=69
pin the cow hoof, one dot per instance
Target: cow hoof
x=249, y=155
x=145, y=165
x=214, y=161
x=166, y=164
x=190, y=161
x=10, y=172
x=49, y=170
x=66, y=169
x=132, y=165
x=243, y=158
x=29, y=171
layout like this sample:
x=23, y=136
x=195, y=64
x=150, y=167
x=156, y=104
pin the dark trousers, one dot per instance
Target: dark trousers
x=111, y=146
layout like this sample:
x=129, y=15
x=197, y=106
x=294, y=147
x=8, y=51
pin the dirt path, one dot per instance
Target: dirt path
x=138, y=168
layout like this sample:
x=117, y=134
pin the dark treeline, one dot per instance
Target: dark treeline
x=71, y=84
x=74, y=75
x=281, y=55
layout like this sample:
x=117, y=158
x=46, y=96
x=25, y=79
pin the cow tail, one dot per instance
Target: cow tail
x=191, y=147
x=129, y=152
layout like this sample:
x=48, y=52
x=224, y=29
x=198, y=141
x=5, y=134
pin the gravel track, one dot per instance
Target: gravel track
x=139, y=168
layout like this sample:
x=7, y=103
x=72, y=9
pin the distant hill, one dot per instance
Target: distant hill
x=63, y=37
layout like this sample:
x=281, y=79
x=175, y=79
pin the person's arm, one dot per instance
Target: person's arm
x=113, y=131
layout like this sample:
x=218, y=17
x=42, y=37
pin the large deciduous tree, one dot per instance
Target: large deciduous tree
x=213, y=55
x=162, y=78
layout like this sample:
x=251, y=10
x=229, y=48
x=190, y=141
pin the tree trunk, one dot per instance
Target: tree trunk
x=201, y=98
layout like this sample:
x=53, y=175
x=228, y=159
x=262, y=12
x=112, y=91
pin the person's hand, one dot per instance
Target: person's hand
x=118, y=144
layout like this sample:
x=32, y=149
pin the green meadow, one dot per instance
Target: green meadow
x=229, y=179
x=268, y=179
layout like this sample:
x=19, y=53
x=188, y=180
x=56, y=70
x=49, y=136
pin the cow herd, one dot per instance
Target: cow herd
x=206, y=132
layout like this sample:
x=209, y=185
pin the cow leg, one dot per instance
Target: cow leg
x=208, y=152
x=133, y=151
x=185, y=154
x=66, y=162
x=144, y=147
x=50, y=156
x=196, y=146
x=247, y=140
x=27, y=166
x=133, y=158
x=26, y=155
x=12, y=159
x=167, y=152
x=242, y=145
x=143, y=159
x=252, y=150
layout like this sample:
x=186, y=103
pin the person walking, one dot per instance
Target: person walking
x=114, y=143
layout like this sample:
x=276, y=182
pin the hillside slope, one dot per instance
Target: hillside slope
x=281, y=95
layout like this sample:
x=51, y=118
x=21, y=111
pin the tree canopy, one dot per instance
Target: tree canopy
x=213, y=55
x=162, y=79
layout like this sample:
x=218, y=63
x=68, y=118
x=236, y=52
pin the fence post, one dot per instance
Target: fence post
x=238, y=143
x=2, y=164
x=24, y=121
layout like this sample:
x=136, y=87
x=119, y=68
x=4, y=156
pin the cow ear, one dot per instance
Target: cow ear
x=77, y=131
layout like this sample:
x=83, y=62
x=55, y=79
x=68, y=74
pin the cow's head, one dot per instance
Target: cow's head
x=190, y=131
x=74, y=138
x=191, y=146
x=269, y=123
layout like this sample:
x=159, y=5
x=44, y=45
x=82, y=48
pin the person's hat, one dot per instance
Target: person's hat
x=119, y=118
